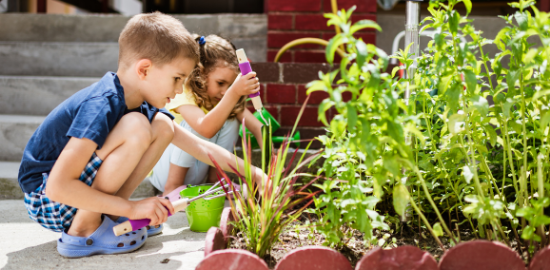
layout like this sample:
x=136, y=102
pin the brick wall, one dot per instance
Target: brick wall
x=292, y=19
x=283, y=92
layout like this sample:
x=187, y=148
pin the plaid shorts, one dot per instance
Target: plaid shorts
x=53, y=215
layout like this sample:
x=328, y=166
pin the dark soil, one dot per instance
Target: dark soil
x=297, y=235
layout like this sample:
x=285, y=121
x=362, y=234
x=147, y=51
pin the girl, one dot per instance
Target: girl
x=211, y=106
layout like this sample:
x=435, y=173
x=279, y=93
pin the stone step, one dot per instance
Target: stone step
x=9, y=187
x=74, y=59
x=71, y=59
x=106, y=28
x=15, y=132
x=248, y=31
x=30, y=95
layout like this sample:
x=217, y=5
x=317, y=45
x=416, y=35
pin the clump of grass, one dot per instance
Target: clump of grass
x=275, y=202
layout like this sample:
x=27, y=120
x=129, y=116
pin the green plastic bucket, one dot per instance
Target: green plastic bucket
x=203, y=214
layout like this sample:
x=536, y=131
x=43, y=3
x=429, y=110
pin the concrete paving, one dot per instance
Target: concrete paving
x=26, y=245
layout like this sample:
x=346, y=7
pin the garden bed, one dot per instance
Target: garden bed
x=409, y=250
x=471, y=177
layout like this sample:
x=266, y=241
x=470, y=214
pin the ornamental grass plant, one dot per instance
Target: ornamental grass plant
x=278, y=200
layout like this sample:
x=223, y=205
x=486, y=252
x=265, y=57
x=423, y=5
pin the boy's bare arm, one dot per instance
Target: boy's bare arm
x=200, y=149
x=65, y=187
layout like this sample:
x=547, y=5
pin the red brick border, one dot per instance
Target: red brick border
x=314, y=258
x=403, y=257
x=541, y=261
x=477, y=254
x=214, y=241
x=225, y=224
x=481, y=254
x=232, y=259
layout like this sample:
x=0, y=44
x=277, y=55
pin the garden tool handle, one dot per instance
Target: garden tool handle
x=244, y=66
x=132, y=225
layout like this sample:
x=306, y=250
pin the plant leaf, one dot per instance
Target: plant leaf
x=352, y=116
x=332, y=46
x=456, y=123
x=453, y=22
x=467, y=173
x=400, y=199
x=468, y=5
x=362, y=52
x=471, y=81
x=316, y=85
x=395, y=70
x=438, y=230
x=362, y=24
x=323, y=107
x=480, y=104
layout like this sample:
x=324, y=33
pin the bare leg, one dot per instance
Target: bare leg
x=129, y=143
x=162, y=132
x=176, y=178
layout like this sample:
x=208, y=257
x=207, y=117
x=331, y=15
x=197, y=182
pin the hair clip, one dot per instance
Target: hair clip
x=202, y=40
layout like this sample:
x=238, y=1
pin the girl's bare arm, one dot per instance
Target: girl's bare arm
x=207, y=125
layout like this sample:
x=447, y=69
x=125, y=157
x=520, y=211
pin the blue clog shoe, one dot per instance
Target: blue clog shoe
x=102, y=241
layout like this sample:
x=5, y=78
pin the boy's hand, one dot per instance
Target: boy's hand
x=245, y=85
x=156, y=209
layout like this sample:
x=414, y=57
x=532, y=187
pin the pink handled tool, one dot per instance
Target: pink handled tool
x=245, y=67
x=132, y=225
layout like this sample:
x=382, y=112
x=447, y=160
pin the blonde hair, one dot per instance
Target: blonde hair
x=155, y=36
x=215, y=52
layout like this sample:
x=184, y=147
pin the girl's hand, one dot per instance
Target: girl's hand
x=245, y=85
x=156, y=209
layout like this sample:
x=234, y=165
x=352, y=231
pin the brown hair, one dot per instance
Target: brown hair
x=215, y=51
x=155, y=36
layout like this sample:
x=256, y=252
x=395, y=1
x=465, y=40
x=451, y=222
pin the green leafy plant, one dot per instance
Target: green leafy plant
x=366, y=150
x=499, y=150
x=279, y=200
x=446, y=150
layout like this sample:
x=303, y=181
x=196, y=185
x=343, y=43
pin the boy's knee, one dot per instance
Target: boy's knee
x=163, y=127
x=137, y=127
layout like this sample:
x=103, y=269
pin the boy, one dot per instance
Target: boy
x=93, y=150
